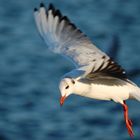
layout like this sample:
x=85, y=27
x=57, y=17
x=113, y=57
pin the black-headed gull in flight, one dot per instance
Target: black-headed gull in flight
x=96, y=75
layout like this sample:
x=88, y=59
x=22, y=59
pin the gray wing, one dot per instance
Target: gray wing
x=63, y=37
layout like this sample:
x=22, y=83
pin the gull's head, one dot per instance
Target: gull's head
x=66, y=88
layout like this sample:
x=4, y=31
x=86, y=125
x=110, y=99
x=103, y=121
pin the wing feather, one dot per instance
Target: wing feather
x=108, y=68
x=63, y=37
x=38, y=21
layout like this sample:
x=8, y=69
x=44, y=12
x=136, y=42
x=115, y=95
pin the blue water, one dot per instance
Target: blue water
x=29, y=73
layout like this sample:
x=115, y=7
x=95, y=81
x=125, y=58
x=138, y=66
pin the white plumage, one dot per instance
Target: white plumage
x=96, y=75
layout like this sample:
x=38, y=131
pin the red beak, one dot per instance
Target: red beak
x=62, y=99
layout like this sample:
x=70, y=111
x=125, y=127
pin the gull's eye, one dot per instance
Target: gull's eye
x=66, y=87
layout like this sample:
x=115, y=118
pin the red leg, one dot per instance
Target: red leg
x=127, y=120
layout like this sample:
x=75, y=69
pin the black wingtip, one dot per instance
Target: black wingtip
x=65, y=18
x=51, y=7
x=73, y=25
x=41, y=4
x=35, y=9
x=58, y=13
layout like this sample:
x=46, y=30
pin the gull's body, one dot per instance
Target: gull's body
x=96, y=75
x=106, y=89
x=103, y=92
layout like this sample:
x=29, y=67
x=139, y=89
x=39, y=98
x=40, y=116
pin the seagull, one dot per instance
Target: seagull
x=96, y=75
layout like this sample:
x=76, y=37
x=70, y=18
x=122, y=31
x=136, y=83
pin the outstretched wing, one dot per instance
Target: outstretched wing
x=63, y=37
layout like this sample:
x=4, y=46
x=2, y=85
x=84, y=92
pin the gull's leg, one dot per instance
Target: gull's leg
x=127, y=120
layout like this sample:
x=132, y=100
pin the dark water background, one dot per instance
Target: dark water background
x=29, y=73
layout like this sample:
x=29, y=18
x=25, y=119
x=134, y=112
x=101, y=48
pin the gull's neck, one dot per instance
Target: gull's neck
x=81, y=88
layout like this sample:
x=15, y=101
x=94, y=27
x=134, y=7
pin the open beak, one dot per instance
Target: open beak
x=62, y=99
